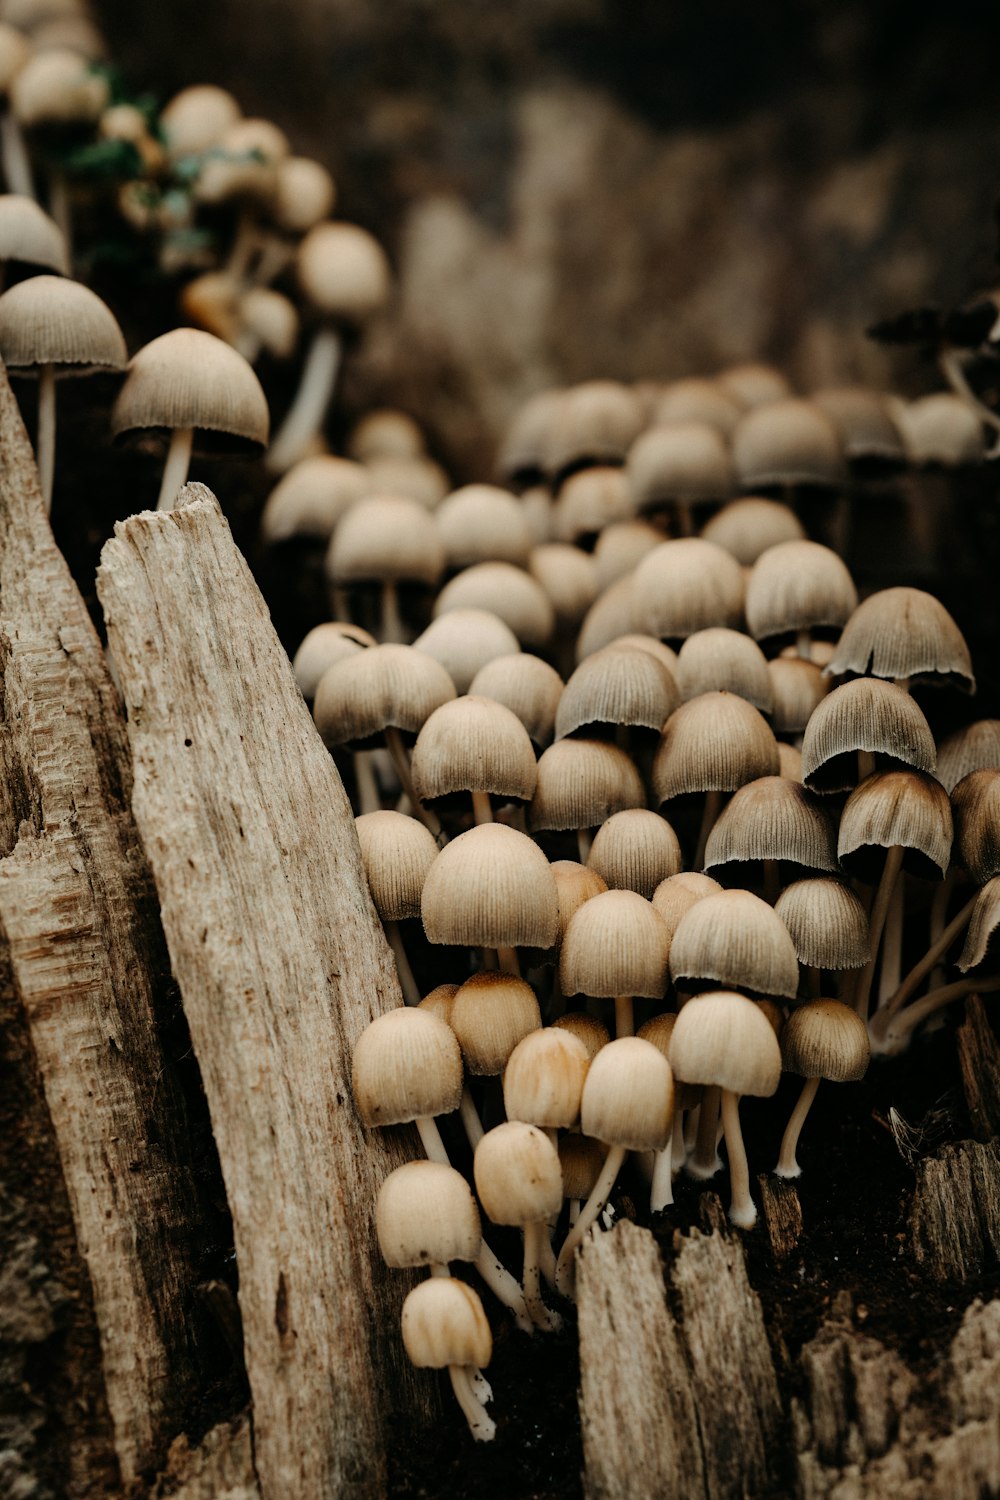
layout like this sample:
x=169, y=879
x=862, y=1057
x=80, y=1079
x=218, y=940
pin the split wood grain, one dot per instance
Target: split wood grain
x=979, y=1060
x=782, y=1214
x=219, y=1467
x=955, y=1216
x=281, y=963
x=78, y=914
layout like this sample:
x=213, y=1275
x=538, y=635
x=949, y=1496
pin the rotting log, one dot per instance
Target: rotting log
x=220, y=1467
x=955, y=1216
x=979, y=1061
x=281, y=963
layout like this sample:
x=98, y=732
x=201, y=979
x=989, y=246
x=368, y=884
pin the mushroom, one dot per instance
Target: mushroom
x=621, y=547
x=695, y=400
x=590, y=501
x=519, y=1181
x=591, y=1032
x=753, y=384
x=612, y=614
x=418, y=478
x=721, y=660
x=521, y=460
x=397, y=853
x=861, y=725
x=824, y=1039
x=386, y=541
x=197, y=118
x=312, y=498
x=28, y=237
x=746, y=528
x=974, y=748
x=569, y=578
x=444, y=1326
x=477, y=746
x=795, y=587
x=615, y=947
x=771, y=820
x=674, y=467
x=482, y=523
x=617, y=689
x=425, y=1215
x=787, y=444
x=385, y=433
x=526, y=685
x=594, y=423
x=581, y=1160
x=635, y=850
x=687, y=585
x=464, y=641
x=491, y=1013
x=320, y=648
x=512, y=594
x=828, y=925
x=797, y=686
x=15, y=50
x=580, y=784
x=907, y=636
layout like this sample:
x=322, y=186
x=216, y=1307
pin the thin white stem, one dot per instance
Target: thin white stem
x=678, y=1149
x=897, y=1033
x=598, y=1197
x=245, y=245
x=46, y=439
x=507, y=962
x=14, y=153
x=712, y=809
x=787, y=1163
x=60, y=207
x=537, y=1311
x=624, y=1016
x=407, y=983
x=400, y=759
x=705, y=1161
x=661, y=1193
x=939, y=918
x=803, y=644
x=175, y=470
x=481, y=1387
x=583, y=843
x=306, y=414
x=391, y=629
x=742, y=1210
x=471, y=1122
x=481, y=1425
x=430, y=1139
x=866, y=764
x=955, y=928
x=876, y=922
x=365, y=783
x=482, y=808
x=892, y=946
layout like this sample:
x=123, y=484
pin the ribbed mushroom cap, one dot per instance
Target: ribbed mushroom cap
x=735, y=938
x=695, y=400
x=617, y=688
x=720, y=660
x=896, y=807
x=753, y=384
x=522, y=452
x=974, y=748
x=798, y=586
x=418, y=478
x=50, y=320
x=616, y=944
x=312, y=497
x=197, y=118
x=440, y=1001
x=407, y=1065
x=658, y=1030
x=687, y=585
x=575, y=884
x=385, y=433
x=589, y=501
x=723, y=1039
x=678, y=893
x=343, y=271
x=568, y=577
x=648, y=643
x=385, y=537
x=634, y=851
x=581, y=783
x=975, y=804
x=746, y=528
x=982, y=927
x=826, y=1039
x=491, y=887
x=188, y=378
x=828, y=924
x=611, y=615
x=518, y=599
x=715, y=743
x=864, y=419
x=866, y=714
x=243, y=164
x=465, y=641
x=628, y=1098
x=904, y=633
x=443, y=1324
x=594, y=423
x=591, y=1032
x=772, y=818
x=58, y=87
x=397, y=852
x=384, y=687
x=942, y=430
x=526, y=685
x=473, y=744
x=797, y=687
x=517, y=1173
x=821, y=653
x=621, y=547
x=425, y=1214
x=324, y=645
x=29, y=237
x=304, y=193
x=491, y=1013
x=788, y=442
x=689, y=461
x=581, y=1160
x=543, y=1080
x=790, y=759
x=482, y=523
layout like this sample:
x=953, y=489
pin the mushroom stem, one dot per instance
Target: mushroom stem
x=60, y=208
x=803, y=644
x=407, y=983
x=956, y=926
x=787, y=1164
x=866, y=764
x=47, y=432
x=365, y=784
x=712, y=809
x=939, y=917
x=481, y=1425
x=470, y=1118
x=537, y=1311
x=481, y=1387
x=482, y=808
x=742, y=1210
x=893, y=1037
x=892, y=947
x=175, y=470
x=430, y=1139
x=305, y=416
x=678, y=1149
x=772, y=881
x=876, y=922
x=401, y=761
x=624, y=1016
x=391, y=628
x=583, y=843
x=661, y=1193
x=705, y=1160
x=507, y=962
x=599, y=1196
x=14, y=153
x=245, y=244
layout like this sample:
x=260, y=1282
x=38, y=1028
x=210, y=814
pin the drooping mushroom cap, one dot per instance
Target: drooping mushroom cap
x=312, y=497
x=384, y=687
x=866, y=714
x=724, y=1039
x=864, y=418
x=522, y=452
x=517, y=1173
x=397, y=851
x=482, y=523
x=720, y=660
x=518, y=599
x=772, y=818
x=617, y=688
x=581, y=783
x=892, y=808
x=544, y=1077
x=612, y=614
x=589, y=501
x=591, y=1032
x=29, y=237
x=678, y=893
x=788, y=442
x=581, y=1160
x=827, y=922
x=621, y=547
x=686, y=585
x=385, y=537
x=826, y=1039
x=904, y=633
x=974, y=748
x=304, y=193
x=385, y=433
x=491, y=1013
x=716, y=742
x=575, y=884
x=695, y=399
x=491, y=887
x=628, y=1098
x=418, y=478
x=425, y=1214
x=58, y=87
x=526, y=685
x=689, y=461
x=343, y=271
x=593, y=423
x=50, y=320
x=975, y=806
x=616, y=944
x=188, y=378
x=753, y=384
x=440, y=1001
x=735, y=938
x=797, y=686
x=465, y=641
x=982, y=926
x=444, y=1324
x=635, y=850
x=197, y=118
x=746, y=528
x=407, y=1065
x=325, y=644
x=473, y=744
x=568, y=577
x=942, y=430
x=798, y=586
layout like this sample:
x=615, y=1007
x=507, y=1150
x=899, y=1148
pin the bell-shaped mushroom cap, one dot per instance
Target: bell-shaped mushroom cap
x=243, y=164
x=594, y=423
x=50, y=320
x=628, y=1098
x=491, y=887
x=491, y=1013
x=896, y=808
x=15, y=49
x=616, y=944
x=187, y=378
x=689, y=461
x=522, y=452
x=590, y=500
x=621, y=547
x=418, y=478
x=197, y=118
x=798, y=586
x=482, y=523
x=772, y=818
x=612, y=614
x=617, y=688
x=788, y=442
x=575, y=884
x=517, y=1173
x=444, y=1324
x=866, y=714
x=568, y=577
x=526, y=685
x=343, y=272
x=826, y=1039
x=904, y=633
x=591, y=1032
x=312, y=497
x=648, y=643
x=735, y=938
x=974, y=748
x=687, y=585
x=983, y=925
x=942, y=430
x=29, y=237
x=724, y=1039
x=634, y=851
x=440, y=1001
x=407, y=1065
x=721, y=660
x=518, y=599
x=57, y=86
x=581, y=783
x=543, y=1079
x=425, y=1214
x=828, y=924
x=864, y=418
x=385, y=538
x=696, y=399
x=385, y=433
x=790, y=758
x=581, y=1160
x=304, y=193
x=272, y=318
x=715, y=743
x=465, y=641
x=675, y=895
x=753, y=384
x=797, y=686
x=473, y=744
x=746, y=528
x=384, y=687
x=325, y=644
x=397, y=852
x=659, y=1030
x=975, y=806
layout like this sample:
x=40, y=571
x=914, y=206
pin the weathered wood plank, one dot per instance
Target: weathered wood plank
x=782, y=1214
x=979, y=1060
x=955, y=1217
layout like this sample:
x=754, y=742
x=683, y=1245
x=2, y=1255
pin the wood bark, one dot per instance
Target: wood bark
x=281, y=963
x=979, y=1060
x=955, y=1217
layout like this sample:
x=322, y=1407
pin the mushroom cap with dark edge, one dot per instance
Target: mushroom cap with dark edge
x=188, y=378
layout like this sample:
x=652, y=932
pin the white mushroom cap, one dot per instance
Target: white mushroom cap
x=425, y=1214
x=517, y=1172
x=29, y=236
x=188, y=378
x=725, y=1040
x=544, y=1077
x=444, y=1324
x=197, y=117
x=50, y=320
x=343, y=271
x=628, y=1098
x=58, y=87
x=407, y=1065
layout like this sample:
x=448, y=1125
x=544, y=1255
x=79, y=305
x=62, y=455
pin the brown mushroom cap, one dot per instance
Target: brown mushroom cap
x=788, y=442
x=628, y=1098
x=384, y=687
x=385, y=433
x=397, y=853
x=716, y=742
x=723, y=1039
x=772, y=818
x=746, y=528
x=575, y=884
x=893, y=808
x=695, y=399
x=544, y=1077
x=491, y=887
x=581, y=1160
x=982, y=926
x=591, y=1032
x=50, y=320
x=407, y=1065
x=635, y=850
x=444, y=1324
x=798, y=586
x=473, y=744
x=385, y=538
x=29, y=237
x=425, y=1214
x=615, y=944
x=526, y=685
x=522, y=452
x=617, y=688
x=312, y=497
x=490, y=1014
x=612, y=614
x=866, y=714
x=675, y=895
x=864, y=418
x=440, y=1001
x=589, y=501
x=735, y=938
x=418, y=478
x=188, y=378
x=686, y=585
x=517, y=598
x=581, y=783
x=482, y=523
x=465, y=641
x=975, y=806
x=904, y=633
x=827, y=922
x=517, y=1172
x=974, y=748
x=687, y=461
x=797, y=686
x=721, y=660
x=825, y=1039
x=593, y=423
